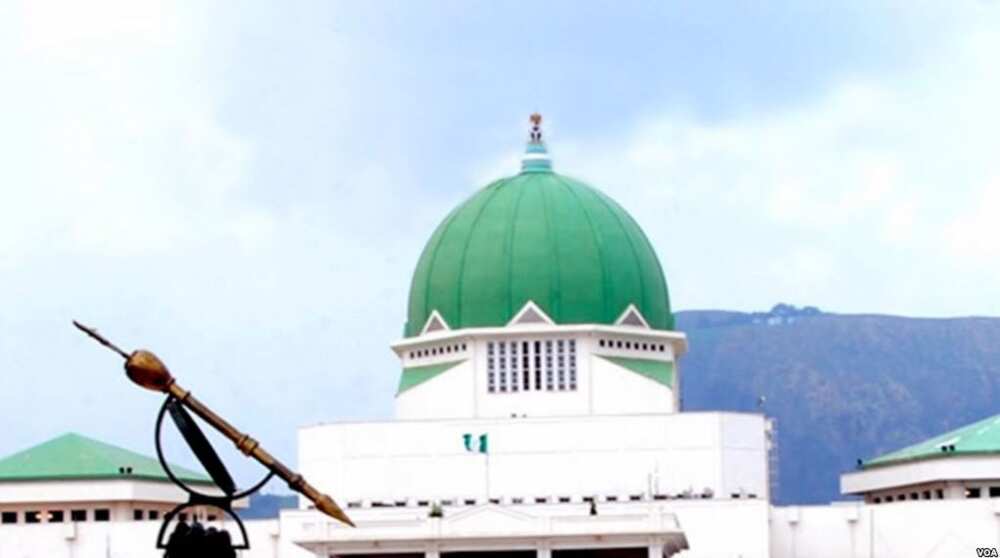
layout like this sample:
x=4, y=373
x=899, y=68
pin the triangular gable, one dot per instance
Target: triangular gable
x=491, y=517
x=530, y=314
x=417, y=375
x=632, y=317
x=435, y=323
x=657, y=370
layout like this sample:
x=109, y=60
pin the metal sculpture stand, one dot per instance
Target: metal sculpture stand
x=209, y=459
x=148, y=371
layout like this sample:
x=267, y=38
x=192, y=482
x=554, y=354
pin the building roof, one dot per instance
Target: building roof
x=978, y=438
x=75, y=457
x=543, y=237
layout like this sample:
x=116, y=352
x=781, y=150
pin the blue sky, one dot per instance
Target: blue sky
x=245, y=188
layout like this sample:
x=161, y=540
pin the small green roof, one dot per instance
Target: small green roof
x=978, y=438
x=75, y=457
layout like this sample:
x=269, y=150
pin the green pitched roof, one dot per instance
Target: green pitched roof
x=656, y=370
x=978, y=438
x=72, y=456
x=417, y=375
x=543, y=237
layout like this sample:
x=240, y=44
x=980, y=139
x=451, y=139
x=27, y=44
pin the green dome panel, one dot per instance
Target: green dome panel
x=542, y=237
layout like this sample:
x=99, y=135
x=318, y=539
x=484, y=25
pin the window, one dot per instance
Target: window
x=78, y=515
x=491, y=374
x=102, y=514
x=153, y=514
x=572, y=364
x=995, y=492
x=514, y=366
x=8, y=517
x=914, y=496
x=531, y=365
x=503, y=366
x=526, y=366
x=137, y=515
x=972, y=492
x=939, y=493
x=31, y=517
x=888, y=498
x=878, y=500
x=927, y=495
x=56, y=516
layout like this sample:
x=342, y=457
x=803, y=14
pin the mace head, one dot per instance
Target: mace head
x=147, y=370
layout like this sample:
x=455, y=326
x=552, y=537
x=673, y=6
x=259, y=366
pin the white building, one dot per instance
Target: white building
x=538, y=405
x=538, y=415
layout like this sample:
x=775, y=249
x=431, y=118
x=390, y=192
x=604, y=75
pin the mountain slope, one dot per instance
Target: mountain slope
x=841, y=387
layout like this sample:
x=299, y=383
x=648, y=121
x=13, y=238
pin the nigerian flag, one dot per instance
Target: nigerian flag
x=467, y=439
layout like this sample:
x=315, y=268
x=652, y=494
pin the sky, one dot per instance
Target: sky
x=245, y=188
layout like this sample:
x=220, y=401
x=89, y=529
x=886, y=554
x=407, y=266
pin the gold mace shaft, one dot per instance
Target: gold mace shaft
x=147, y=370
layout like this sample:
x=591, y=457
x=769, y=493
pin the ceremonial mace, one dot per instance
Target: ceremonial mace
x=147, y=370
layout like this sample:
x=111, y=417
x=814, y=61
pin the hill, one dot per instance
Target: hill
x=841, y=387
x=268, y=506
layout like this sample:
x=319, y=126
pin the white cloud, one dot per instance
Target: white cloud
x=900, y=170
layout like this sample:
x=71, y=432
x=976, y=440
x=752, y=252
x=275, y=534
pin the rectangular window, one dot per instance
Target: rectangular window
x=939, y=493
x=153, y=514
x=102, y=515
x=56, y=516
x=514, y=366
x=31, y=517
x=927, y=495
x=995, y=492
x=137, y=515
x=537, y=360
x=502, y=364
x=972, y=492
x=572, y=364
x=78, y=515
x=526, y=361
x=8, y=517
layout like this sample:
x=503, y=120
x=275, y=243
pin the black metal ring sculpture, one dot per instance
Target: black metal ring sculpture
x=209, y=459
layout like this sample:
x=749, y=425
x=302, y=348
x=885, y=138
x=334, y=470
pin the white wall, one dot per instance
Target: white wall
x=928, y=529
x=126, y=540
x=712, y=528
x=602, y=387
x=966, y=467
x=93, y=490
x=536, y=457
x=616, y=388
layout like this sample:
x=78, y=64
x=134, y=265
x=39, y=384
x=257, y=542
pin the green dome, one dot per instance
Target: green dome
x=543, y=237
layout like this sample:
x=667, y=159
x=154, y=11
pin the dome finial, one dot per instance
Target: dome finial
x=536, y=127
x=536, y=157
